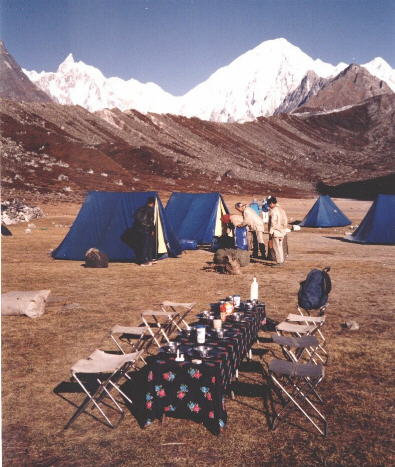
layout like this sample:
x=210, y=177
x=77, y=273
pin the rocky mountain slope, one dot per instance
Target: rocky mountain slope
x=310, y=85
x=352, y=85
x=14, y=84
x=63, y=151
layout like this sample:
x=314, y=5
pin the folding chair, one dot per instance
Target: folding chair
x=137, y=338
x=159, y=324
x=180, y=312
x=320, y=311
x=294, y=348
x=296, y=381
x=112, y=368
x=314, y=326
x=317, y=321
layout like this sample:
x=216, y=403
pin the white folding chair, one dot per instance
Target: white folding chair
x=136, y=337
x=294, y=323
x=296, y=382
x=159, y=324
x=285, y=328
x=318, y=322
x=180, y=312
x=112, y=368
x=295, y=348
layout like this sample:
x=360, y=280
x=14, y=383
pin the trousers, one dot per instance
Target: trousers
x=257, y=243
x=145, y=248
x=278, y=249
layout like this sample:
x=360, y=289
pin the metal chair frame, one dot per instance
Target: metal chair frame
x=295, y=348
x=122, y=364
x=318, y=322
x=297, y=381
x=161, y=327
x=299, y=326
x=179, y=312
x=136, y=337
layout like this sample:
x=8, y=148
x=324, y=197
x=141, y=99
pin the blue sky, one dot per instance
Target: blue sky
x=180, y=43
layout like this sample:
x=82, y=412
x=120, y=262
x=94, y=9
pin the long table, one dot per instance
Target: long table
x=197, y=390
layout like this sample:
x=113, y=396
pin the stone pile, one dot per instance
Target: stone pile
x=14, y=211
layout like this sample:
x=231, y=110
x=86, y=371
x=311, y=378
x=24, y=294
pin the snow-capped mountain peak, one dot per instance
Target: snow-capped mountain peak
x=382, y=70
x=254, y=84
x=69, y=60
x=72, y=68
x=76, y=83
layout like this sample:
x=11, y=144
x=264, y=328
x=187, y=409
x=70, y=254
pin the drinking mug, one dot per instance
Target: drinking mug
x=200, y=334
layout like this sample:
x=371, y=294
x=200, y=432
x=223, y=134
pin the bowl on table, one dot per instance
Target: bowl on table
x=206, y=317
x=238, y=316
x=170, y=348
x=203, y=350
x=248, y=305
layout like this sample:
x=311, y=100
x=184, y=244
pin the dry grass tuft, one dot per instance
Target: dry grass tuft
x=85, y=303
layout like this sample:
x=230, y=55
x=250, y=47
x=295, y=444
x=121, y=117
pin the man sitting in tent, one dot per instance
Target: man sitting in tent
x=144, y=227
x=255, y=226
x=277, y=229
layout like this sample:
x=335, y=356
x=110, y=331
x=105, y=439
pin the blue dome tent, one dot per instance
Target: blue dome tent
x=103, y=219
x=196, y=216
x=378, y=225
x=325, y=213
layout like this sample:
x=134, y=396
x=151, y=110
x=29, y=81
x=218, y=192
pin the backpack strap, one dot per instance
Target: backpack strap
x=327, y=279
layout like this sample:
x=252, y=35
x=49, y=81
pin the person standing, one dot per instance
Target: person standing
x=256, y=226
x=277, y=228
x=144, y=226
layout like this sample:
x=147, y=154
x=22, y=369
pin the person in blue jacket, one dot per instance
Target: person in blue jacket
x=255, y=206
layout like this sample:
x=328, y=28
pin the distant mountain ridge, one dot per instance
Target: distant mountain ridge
x=310, y=85
x=258, y=83
x=353, y=85
x=62, y=151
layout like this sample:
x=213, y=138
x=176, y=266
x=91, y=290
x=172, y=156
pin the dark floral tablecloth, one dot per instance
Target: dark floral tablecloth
x=196, y=390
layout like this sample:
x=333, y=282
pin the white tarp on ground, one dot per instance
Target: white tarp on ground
x=30, y=303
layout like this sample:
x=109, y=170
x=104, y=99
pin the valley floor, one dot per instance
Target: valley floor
x=85, y=303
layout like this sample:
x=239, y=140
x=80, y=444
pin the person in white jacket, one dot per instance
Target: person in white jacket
x=256, y=226
x=278, y=223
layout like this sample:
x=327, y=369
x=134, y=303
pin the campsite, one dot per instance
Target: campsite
x=85, y=303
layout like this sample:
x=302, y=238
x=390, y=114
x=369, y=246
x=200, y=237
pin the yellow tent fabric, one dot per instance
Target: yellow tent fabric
x=218, y=224
x=160, y=238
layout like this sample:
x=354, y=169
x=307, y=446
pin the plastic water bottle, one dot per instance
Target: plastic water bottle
x=254, y=289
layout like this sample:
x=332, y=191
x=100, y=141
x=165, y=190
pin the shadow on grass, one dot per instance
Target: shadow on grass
x=133, y=387
x=279, y=409
x=340, y=239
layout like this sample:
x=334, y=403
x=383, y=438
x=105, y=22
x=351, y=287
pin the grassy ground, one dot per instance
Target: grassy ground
x=85, y=303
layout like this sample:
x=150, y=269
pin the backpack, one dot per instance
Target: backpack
x=241, y=238
x=314, y=290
